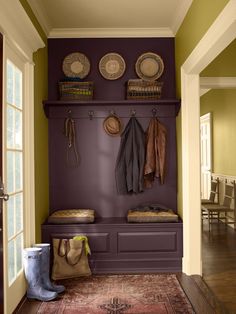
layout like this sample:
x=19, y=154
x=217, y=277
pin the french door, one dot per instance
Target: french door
x=17, y=171
x=13, y=178
x=206, y=155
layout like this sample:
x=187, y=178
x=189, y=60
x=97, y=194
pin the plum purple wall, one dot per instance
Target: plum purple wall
x=95, y=49
x=92, y=184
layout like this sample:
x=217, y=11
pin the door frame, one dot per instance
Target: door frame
x=221, y=33
x=13, y=31
x=1, y=202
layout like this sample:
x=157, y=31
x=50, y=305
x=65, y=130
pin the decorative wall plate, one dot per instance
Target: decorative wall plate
x=112, y=66
x=149, y=66
x=76, y=64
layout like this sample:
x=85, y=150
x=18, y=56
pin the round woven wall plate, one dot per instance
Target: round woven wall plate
x=76, y=64
x=112, y=66
x=149, y=66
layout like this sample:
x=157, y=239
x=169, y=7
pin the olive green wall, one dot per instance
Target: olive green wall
x=224, y=64
x=199, y=18
x=221, y=103
x=40, y=128
x=41, y=141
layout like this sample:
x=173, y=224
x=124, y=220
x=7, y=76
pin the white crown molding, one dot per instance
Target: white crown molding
x=218, y=82
x=19, y=31
x=180, y=15
x=208, y=83
x=109, y=32
x=41, y=16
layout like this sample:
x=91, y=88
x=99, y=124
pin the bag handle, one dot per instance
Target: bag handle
x=62, y=242
x=68, y=250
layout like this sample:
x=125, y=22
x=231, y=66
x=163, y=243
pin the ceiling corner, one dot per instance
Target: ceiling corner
x=41, y=16
x=180, y=14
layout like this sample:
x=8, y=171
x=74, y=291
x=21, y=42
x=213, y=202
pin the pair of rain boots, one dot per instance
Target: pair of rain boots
x=36, y=267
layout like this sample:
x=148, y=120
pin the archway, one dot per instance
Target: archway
x=218, y=37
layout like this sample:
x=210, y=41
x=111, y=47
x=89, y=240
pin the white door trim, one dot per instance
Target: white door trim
x=221, y=33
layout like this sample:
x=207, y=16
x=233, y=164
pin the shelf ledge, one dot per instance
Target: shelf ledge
x=129, y=102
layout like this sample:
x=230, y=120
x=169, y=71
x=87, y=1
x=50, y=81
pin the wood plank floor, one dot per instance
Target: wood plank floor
x=219, y=263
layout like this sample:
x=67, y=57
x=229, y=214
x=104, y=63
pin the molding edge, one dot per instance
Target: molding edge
x=19, y=31
x=217, y=82
x=109, y=32
x=180, y=15
x=41, y=16
x=220, y=33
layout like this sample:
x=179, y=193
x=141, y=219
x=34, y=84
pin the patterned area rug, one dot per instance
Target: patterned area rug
x=120, y=294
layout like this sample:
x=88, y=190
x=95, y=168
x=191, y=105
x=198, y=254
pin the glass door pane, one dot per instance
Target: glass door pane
x=14, y=170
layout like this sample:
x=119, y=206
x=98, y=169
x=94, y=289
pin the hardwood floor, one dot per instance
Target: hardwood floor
x=219, y=263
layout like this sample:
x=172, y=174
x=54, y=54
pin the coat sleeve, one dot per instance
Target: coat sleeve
x=120, y=170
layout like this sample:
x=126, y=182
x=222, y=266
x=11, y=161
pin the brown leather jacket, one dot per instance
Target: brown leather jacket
x=156, y=135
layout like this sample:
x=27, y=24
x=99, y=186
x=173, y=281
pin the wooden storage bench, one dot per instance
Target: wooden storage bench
x=121, y=247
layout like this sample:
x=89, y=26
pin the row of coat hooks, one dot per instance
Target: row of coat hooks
x=91, y=113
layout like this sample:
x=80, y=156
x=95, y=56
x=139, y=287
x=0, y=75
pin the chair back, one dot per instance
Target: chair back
x=214, y=190
x=229, y=193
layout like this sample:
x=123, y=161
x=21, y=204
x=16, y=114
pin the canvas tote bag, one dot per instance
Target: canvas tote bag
x=70, y=259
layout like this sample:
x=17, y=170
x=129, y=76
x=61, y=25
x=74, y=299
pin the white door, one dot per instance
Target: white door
x=206, y=157
x=16, y=217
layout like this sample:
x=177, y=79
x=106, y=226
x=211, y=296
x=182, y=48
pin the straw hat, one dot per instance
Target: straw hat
x=112, y=125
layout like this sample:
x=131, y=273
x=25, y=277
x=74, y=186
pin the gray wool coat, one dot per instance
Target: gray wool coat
x=131, y=159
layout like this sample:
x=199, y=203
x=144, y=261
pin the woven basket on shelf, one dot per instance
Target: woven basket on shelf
x=76, y=90
x=140, y=89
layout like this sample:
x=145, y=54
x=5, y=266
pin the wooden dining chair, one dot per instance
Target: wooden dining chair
x=214, y=193
x=218, y=213
x=213, y=197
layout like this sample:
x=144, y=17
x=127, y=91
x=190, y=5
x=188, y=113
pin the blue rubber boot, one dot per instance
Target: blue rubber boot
x=45, y=264
x=33, y=274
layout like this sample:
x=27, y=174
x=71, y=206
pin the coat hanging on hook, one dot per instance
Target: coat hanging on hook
x=156, y=136
x=130, y=160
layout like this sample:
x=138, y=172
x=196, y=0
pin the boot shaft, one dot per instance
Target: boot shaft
x=45, y=266
x=45, y=256
x=32, y=264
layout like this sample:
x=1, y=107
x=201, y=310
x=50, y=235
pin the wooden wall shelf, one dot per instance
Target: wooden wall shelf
x=47, y=104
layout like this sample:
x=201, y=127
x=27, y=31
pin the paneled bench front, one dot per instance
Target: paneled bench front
x=121, y=247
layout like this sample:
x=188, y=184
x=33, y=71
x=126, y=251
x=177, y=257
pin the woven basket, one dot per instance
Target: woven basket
x=76, y=90
x=140, y=89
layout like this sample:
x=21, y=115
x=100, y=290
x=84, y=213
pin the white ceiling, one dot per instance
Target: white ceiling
x=106, y=18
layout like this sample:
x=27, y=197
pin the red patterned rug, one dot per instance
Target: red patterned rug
x=120, y=294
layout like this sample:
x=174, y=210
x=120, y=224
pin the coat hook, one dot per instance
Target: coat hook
x=154, y=112
x=69, y=112
x=133, y=113
x=91, y=114
x=112, y=112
